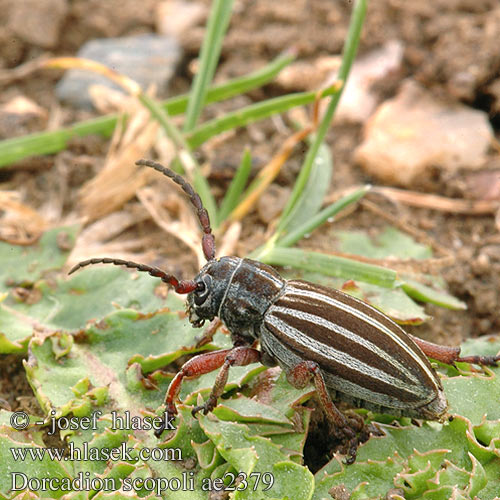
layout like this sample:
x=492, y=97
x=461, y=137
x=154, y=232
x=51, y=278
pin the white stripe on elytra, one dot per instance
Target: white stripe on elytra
x=334, y=382
x=228, y=287
x=362, y=316
x=338, y=356
x=318, y=320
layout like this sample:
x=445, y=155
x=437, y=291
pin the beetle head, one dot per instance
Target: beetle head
x=204, y=303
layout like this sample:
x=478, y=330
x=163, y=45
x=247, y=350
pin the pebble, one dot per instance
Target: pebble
x=359, y=100
x=147, y=59
x=481, y=264
x=175, y=17
x=414, y=131
x=21, y=116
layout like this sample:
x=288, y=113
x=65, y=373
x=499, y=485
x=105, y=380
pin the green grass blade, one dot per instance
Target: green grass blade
x=236, y=187
x=424, y=293
x=250, y=114
x=328, y=212
x=330, y=265
x=18, y=148
x=218, y=22
x=350, y=48
x=311, y=199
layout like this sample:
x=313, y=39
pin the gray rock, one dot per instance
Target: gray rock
x=147, y=59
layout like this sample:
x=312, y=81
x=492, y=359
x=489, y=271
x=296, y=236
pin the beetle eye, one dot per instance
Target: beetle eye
x=202, y=290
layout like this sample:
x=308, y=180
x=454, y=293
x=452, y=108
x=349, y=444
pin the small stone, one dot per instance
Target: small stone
x=358, y=100
x=308, y=75
x=146, y=59
x=481, y=265
x=20, y=116
x=415, y=131
x=38, y=22
x=339, y=492
x=175, y=18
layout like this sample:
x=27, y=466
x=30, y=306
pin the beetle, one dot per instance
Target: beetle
x=348, y=349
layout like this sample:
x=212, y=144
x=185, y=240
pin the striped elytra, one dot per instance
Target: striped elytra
x=365, y=358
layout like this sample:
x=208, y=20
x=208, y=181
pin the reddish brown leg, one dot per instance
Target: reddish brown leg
x=450, y=355
x=302, y=374
x=206, y=363
x=238, y=356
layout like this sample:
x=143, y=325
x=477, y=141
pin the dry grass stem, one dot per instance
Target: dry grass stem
x=120, y=178
x=230, y=239
x=441, y=203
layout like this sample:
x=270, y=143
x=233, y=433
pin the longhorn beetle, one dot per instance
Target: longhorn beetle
x=349, y=350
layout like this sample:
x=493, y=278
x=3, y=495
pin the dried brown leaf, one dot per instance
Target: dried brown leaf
x=20, y=224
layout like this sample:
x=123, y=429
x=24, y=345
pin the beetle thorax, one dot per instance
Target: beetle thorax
x=238, y=291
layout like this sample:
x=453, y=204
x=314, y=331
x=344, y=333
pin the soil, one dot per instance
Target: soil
x=451, y=47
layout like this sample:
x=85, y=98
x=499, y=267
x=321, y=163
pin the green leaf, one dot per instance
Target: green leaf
x=478, y=402
x=71, y=304
x=28, y=467
x=393, y=243
x=255, y=454
x=14, y=334
x=427, y=294
x=27, y=264
x=389, y=243
x=243, y=409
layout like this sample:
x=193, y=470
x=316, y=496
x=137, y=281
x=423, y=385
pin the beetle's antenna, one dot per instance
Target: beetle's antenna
x=182, y=286
x=208, y=240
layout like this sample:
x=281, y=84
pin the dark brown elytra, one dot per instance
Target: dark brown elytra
x=252, y=300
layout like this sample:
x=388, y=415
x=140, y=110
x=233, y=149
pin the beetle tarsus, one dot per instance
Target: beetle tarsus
x=351, y=451
x=480, y=360
x=205, y=408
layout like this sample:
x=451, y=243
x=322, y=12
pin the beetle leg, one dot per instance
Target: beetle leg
x=209, y=332
x=238, y=356
x=206, y=363
x=299, y=376
x=450, y=355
